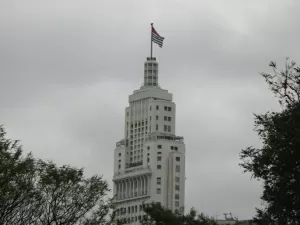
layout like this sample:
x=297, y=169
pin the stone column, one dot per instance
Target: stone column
x=144, y=185
x=127, y=189
x=123, y=189
x=135, y=187
x=118, y=190
x=148, y=185
x=131, y=187
x=138, y=185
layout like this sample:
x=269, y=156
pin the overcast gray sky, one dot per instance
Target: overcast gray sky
x=68, y=66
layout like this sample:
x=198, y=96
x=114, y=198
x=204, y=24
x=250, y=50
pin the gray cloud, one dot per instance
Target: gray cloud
x=67, y=68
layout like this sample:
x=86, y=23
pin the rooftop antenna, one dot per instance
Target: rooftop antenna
x=225, y=214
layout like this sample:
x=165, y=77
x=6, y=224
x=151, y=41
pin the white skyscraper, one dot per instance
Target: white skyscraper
x=149, y=163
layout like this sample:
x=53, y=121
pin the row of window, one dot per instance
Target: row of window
x=129, y=209
x=166, y=108
x=150, y=76
x=137, y=124
x=136, y=152
x=158, y=181
x=177, y=188
x=150, y=84
x=160, y=147
x=150, y=65
x=166, y=118
x=138, y=130
x=167, y=128
x=177, y=168
x=136, y=141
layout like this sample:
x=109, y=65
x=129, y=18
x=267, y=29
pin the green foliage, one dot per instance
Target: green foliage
x=17, y=182
x=68, y=197
x=277, y=163
x=34, y=192
x=156, y=214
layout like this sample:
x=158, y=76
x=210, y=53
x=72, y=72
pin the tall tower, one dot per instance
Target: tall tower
x=149, y=163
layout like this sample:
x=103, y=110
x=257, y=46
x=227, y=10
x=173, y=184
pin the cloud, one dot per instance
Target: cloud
x=67, y=68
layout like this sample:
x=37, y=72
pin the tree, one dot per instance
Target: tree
x=35, y=192
x=17, y=180
x=157, y=214
x=277, y=162
x=69, y=198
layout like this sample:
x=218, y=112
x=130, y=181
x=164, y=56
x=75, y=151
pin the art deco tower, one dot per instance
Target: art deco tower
x=149, y=163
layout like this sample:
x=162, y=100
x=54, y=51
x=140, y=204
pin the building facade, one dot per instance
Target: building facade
x=149, y=163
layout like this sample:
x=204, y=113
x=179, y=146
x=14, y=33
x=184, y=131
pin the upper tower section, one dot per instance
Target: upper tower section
x=150, y=72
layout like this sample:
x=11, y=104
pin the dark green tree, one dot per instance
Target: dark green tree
x=159, y=215
x=35, y=192
x=18, y=196
x=69, y=198
x=277, y=162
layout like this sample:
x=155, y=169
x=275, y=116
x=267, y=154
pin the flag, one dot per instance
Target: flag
x=156, y=38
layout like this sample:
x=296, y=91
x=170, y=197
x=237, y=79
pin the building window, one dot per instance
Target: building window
x=176, y=196
x=177, y=187
x=119, y=154
x=157, y=107
x=158, y=191
x=129, y=209
x=159, y=167
x=135, y=208
x=158, y=158
x=159, y=146
x=169, y=118
x=176, y=148
x=148, y=160
x=177, y=179
x=156, y=117
x=166, y=108
x=148, y=147
x=119, y=166
x=156, y=126
x=165, y=128
x=165, y=118
x=158, y=180
x=176, y=203
x=169, y=109
x=177, y=168
x=158, y=153
x=169, y=128
x=177, y=159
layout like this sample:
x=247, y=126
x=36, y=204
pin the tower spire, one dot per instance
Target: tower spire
x=151, y=72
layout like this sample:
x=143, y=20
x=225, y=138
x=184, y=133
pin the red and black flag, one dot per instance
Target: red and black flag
x=156, y=38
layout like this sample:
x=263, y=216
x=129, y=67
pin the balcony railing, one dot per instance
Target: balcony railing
x=133, y=172
x=163, y=136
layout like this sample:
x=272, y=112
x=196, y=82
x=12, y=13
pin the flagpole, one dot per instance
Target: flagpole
x=151, y=42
